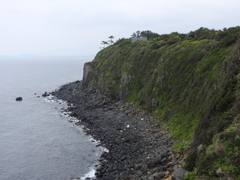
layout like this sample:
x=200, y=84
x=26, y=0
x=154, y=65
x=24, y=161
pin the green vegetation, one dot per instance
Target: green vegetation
x=190, y=82
x=208, y=161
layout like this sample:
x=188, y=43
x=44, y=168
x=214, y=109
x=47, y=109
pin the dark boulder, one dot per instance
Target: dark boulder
x=19, y=99
x=152, y=163
x=179, y=174
x=45, y=94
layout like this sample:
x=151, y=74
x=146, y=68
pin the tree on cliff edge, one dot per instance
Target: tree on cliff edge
x=104, y=43
x=111, y=40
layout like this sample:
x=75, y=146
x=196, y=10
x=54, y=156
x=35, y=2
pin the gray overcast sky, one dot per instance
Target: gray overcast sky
x=77, y=27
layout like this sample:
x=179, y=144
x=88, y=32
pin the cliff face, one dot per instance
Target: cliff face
x=190, y=83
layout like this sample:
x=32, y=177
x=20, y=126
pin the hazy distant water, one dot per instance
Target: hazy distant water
x=35, y=141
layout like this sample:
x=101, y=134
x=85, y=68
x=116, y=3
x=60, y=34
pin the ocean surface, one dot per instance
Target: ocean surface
x=37, y=141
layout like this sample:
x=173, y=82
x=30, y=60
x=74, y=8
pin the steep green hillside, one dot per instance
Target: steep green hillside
x=190, y=82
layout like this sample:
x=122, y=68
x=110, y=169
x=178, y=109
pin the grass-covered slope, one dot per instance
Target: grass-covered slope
x=189, y=81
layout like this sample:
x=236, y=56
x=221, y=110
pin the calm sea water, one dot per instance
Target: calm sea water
x=36, y=142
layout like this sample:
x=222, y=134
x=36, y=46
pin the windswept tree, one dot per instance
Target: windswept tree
x=148, y=34
x=111, y=40
x=133, y=35
x=107, y=43
x=136, y=34
x=104, y=43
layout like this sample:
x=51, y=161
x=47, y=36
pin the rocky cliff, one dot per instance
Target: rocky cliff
x=190, y=82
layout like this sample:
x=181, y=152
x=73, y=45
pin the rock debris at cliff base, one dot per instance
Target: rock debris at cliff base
x=138, y=147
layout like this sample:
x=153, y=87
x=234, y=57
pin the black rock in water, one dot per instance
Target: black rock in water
x=19, y=99
x=45, y=94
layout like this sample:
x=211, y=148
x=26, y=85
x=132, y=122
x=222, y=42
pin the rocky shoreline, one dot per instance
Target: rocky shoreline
x=138, y=147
